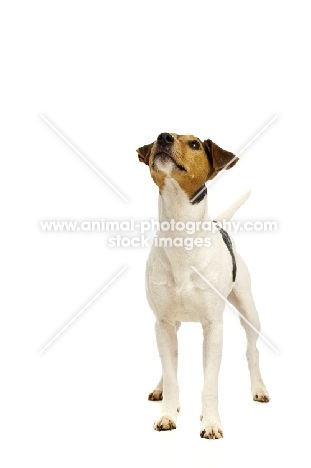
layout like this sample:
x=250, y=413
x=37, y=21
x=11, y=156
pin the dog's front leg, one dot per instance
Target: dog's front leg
x=166, y=335
x=212, y=351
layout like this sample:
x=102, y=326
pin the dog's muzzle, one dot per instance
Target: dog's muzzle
x=165, y=142
x=164, y=146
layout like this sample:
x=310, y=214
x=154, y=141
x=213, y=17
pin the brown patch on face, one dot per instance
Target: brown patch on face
x=191, y=164
x=189, y=153
x=193, y=161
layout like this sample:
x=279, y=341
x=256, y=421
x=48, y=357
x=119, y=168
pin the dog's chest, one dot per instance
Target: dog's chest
x=182, y=295
x=174, y=290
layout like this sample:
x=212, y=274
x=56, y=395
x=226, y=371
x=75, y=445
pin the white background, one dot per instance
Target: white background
x=111, y=77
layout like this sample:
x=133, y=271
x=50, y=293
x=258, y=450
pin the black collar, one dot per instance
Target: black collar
x=200, y=197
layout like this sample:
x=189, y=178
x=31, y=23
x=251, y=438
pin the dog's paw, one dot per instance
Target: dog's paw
x=211, y=432
x=261, y=395
x=165, y=423
x=156, y=395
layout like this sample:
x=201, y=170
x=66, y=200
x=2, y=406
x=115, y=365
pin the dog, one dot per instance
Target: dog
x=180, y=165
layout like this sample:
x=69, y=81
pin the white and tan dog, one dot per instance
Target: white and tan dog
x=180, y=165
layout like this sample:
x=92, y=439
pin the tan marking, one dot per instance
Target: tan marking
x=262, y=397
x=156, y=395
x=194, y=161
x=164, y=424
x=199, y=166
x=211, y=433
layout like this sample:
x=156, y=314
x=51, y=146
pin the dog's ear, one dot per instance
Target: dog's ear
x=219, y=158
x=144, y=153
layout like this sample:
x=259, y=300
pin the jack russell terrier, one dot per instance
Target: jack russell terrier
x=180, y=165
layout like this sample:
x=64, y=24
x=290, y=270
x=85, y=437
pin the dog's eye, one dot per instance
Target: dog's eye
x=194, y=144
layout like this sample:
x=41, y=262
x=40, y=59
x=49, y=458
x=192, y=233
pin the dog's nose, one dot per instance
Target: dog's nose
x=165, y=139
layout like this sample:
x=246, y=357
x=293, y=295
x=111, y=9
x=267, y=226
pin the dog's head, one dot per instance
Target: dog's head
x=185, y=158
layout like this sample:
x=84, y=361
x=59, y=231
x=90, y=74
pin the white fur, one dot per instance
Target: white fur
x=177, y=294
x=229, y=212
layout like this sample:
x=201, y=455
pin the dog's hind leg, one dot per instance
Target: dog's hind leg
x=241, y=297
x=157, y=393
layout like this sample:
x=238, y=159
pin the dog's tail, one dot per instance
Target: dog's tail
x=229, y=212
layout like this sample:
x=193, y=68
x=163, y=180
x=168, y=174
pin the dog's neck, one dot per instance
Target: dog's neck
x=174, y=204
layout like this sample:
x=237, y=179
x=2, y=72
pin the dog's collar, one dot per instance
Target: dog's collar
x=227, y=241
x=202, y=191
